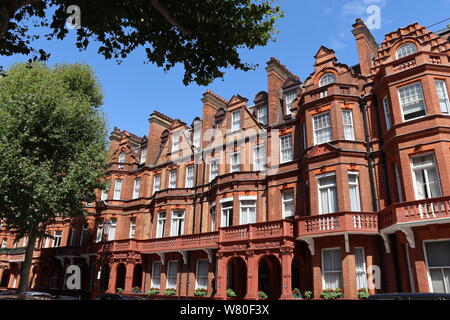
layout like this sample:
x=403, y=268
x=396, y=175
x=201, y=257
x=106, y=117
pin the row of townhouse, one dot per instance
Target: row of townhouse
x=338, y=181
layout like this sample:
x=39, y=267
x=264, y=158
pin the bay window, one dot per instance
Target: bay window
x=248, y=209
x=353, y=183
x=331, y=268
x=426, y=177
x=227, y=213
x=327, y=193
x=161, y=224
x=349, y=131
x=117, y=189
x=411, y=101
x=443, y=96
x=322, y=128
x=177, y=223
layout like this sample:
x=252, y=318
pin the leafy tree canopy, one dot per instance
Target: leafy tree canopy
x=204, y=36
x=53, y=142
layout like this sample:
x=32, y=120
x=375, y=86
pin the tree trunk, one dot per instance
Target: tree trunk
x=26, y=267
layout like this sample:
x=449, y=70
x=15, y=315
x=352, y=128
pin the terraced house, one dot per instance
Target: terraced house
x=341, y=180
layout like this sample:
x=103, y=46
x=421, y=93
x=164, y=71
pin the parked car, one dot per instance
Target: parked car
x=116, y=297
x=6, y=292
x=60, y=297
x=410, y=296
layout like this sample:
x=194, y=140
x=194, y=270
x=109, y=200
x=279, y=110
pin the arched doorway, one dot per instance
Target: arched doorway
x=269, y=277
x=237, y=276
x=137, y=276
x=104, y=278
x=120, y=278
x=5, y=278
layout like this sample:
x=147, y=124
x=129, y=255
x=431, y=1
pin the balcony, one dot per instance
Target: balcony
x=181, y=243
x=338, y=223
x=264, y=235
x=419, y=212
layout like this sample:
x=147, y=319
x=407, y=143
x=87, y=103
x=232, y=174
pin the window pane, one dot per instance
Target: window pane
x=438, y=253
x=327, y=79
x=406, y=50
x=411, y=101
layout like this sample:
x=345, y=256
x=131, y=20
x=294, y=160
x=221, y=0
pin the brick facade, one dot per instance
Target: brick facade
x=323, y=193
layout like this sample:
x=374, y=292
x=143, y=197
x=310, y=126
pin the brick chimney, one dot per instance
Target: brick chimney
x=366, y=44
x=158, y=123
x=277, y=74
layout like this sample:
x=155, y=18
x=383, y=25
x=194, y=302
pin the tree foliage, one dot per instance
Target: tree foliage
x=53, y=143
x=205, y=36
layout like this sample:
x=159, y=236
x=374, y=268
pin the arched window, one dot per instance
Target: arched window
x=326, y=79
x=122, y=157
x=406, y=50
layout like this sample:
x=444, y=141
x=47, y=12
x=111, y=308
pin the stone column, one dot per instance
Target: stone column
x=252, y=276
x=287, y=254
x=112, y=278
x=317, y=274
x=349, y=275
x=129, y=277
x=221, y=276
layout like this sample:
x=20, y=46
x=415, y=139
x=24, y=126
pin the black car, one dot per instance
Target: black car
x=116, y=297
x=410, y=296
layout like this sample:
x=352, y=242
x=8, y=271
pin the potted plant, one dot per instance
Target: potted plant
x=262, y=295
x=328, y=294
x=231, y=293
x=362, y=293
x=200, y=292
x=296, y=293
x=308, y=295
x=170, y=292
x=153, y=291
x=136, y=290
x=119, y=290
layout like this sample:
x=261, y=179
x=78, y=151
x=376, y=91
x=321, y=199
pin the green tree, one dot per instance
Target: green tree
x=53, y=142
x=204, y=36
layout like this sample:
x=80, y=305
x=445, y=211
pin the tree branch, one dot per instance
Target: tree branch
x=162, y=9
x=7, y=11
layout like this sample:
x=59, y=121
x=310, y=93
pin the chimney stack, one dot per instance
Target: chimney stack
x=366, y=44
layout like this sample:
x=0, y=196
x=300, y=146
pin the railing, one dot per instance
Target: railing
x=338, y=222
x=419, y=210
x=181, y=243
x=262, y=230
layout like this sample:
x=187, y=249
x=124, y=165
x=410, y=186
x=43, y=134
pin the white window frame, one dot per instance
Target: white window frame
x=161, y=224
x=197, y=137
x=399, y=182
x=156, y=284
x=201, y=277
x=132, y=233
x=177, y=221
x=387, y=113
x=173, y=179
x=143, y=155
x=361, y=269
x=328, y=187
x=190, y=176
x=236, y=120
x=156, y=186
x=289, y=96
x=4, y=243
x=430, y=283
x=171, y=276
x=287, y=201
x=57, y=238
x=235, y=162
x=176, y=141
x=211, y=161
x=444, y=102
x=84, y=234
x=213, y=214
x=112, y=229
x=73, y=234
x=118, y=189
x=104, y=195
x=245, y=210
x=262, y=114
x=402, y=105
x=288, y=149
x=328, y=128
x=358, y=193
x=326, y=79
x=325, y=272
x=259, y=160
x=225, y=216
x=425, y=168
x=406, y=50
x=349, y=126
x=137, y=188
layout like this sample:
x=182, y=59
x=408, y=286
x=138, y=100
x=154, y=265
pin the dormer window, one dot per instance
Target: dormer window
x=327, y=79
x=236, y=121
x=143, y=155
x=288, y=98
x=122, y=157
x=176, y=141
x=406, y=49
x=261, y=115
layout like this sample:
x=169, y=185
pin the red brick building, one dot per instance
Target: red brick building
x=341, y=180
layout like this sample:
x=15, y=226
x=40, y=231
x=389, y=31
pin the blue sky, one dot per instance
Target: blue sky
x=134, y=89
